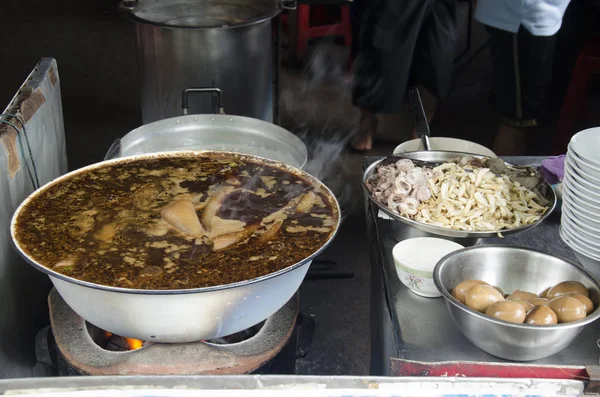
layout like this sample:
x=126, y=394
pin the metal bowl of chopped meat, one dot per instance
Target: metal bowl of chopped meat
x=456, y=195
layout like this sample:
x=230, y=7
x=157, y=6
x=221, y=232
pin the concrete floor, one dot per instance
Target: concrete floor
x=95, y=50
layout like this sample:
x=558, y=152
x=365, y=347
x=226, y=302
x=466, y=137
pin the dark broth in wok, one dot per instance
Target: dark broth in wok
x=176, y=222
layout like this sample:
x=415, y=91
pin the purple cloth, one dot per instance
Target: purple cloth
x=553, y=169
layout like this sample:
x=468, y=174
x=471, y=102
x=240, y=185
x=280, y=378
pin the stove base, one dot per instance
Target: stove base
x=71, y=350
x=284, y=363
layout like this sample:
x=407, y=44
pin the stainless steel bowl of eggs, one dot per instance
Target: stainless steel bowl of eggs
x=517, y=303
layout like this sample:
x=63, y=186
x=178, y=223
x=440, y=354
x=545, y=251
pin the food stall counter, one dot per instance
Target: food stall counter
x=410, y=327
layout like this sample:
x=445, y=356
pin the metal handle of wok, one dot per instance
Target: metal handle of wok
x=216, y=92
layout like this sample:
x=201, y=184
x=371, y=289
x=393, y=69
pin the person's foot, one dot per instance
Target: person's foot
x=363, y=143
x=366, y=131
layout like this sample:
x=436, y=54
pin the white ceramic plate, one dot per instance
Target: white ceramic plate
x=585, y=167
x=591, y=226
x=586, y=144
x=580, y=172
x=443, y=143
x=590, y=236
x=580, y=243
x=577, y=232
x=584, y=180
x=571, y=184
x=588, y=261
x=573, y=244
x=591, y=208
x=580, y=217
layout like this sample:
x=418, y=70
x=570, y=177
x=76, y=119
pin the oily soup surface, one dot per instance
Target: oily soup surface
x=176, y=223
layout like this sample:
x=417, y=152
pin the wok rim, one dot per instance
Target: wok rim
x=450, y=300
x=447, y=232
x=182, y=154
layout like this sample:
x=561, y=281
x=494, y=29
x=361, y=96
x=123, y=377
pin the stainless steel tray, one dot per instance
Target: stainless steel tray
x=440, y=156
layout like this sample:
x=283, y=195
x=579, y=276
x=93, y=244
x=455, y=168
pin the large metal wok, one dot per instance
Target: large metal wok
x=408, y=228
x=185, y=315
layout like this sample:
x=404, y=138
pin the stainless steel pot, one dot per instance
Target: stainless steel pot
x=216, y=43
x=212, y=43
x=212, y=132
x=177, y=316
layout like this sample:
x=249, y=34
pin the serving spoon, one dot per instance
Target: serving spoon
x=421, y=124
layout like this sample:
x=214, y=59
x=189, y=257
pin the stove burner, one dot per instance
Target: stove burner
x=89, y=350
x=116, y=343
x=237, y=337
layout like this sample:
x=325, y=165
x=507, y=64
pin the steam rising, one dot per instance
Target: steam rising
x=320, y=111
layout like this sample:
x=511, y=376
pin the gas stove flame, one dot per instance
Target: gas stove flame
x=132, y=344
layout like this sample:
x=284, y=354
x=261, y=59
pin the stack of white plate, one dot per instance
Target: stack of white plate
x=580, y=223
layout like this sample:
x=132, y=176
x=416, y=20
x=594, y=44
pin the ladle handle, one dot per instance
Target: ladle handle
x=421, y=125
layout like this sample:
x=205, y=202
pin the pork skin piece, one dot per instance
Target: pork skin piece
x=225, y=240
x=181, y=215
x=271, y=231
x=307, y=201
x=212, y=206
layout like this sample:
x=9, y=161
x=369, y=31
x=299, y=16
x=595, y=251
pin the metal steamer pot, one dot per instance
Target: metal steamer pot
x=212, y=132
x=217, y=43
x=186, y=43
x=185, y=315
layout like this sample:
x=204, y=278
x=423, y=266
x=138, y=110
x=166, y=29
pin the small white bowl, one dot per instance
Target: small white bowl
x=443, y=143
x=415, y=259
x=586, y=144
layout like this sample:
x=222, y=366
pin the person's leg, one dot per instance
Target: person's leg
x=434, y=55
x=523, y=74
x=383, y=64
x=367, y=88
x=366, y=131
x=511, y=134
x=536, y=65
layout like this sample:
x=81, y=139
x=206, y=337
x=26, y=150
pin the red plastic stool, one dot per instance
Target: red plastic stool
x=306, y=30
x=588, y=63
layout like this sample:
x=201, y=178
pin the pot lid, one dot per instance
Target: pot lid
x=199, y=14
